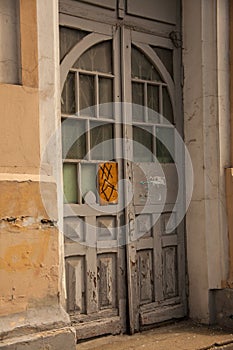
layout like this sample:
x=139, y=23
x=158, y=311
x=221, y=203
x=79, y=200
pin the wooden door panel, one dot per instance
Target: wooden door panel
x=164, y=11
x=107, y=280
x=96, y=272
x=170, y=272
x=75, y=274
x=110, y=4
x=157, y=249
x=145, y=276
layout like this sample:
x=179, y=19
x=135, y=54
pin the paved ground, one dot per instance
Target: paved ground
x=183, y=335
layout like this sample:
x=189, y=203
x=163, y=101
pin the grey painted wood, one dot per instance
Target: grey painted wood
x=102, y=326
x=95, y=13
x=110, y=4
x=162, y=314
x=164, y=11
x=165, y=252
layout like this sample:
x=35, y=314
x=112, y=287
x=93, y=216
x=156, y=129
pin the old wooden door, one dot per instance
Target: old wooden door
x=124, y=268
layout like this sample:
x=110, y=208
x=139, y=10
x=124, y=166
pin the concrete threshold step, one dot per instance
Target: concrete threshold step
x=228, y=345
x=184, y=335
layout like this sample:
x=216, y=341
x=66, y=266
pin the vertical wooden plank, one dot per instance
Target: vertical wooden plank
x=91, y=265
x=121, y=8
x=131, y=250
x=70, y=274
x=145, y=276
x=181, y=268
x=170, y=272
x=75, y=284
x=158, y=272
x=107, y=280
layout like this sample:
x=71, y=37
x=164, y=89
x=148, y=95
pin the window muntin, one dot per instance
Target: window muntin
x=88, y=128
x=152, y=107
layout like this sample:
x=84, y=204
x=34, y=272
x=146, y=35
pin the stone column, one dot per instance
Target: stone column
x=206, y=122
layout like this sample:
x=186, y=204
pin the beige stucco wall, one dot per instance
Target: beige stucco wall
x=19, y=142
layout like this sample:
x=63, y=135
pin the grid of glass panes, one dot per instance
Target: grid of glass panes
x=151, y=108
x=87, y=121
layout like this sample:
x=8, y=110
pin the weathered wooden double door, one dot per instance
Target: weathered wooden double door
x=125, y=270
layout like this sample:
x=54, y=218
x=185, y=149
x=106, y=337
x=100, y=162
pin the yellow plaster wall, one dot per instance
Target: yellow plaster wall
x=29, y=256
x=28, y=266
x=19, y=113
x=19, y=104
x=29, y=47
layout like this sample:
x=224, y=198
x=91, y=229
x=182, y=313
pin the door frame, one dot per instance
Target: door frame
x=138, y=39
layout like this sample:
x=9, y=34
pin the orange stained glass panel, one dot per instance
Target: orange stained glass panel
x=108, y=183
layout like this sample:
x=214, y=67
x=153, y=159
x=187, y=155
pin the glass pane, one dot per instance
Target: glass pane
x=70, y=183
x=106, y=96
x=97, y=58
x=102, y=142
x=68, y=95
x=142, y=68
x=73, y=139
x=86, y=94
x=153, y=102
x=138, y=98
x=88, y=179
x=166, y=56
x=68, y=38
x=164, y=144
x=143, y=144
x=167, y=106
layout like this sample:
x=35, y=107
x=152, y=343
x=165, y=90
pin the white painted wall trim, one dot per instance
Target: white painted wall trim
x=206, y=126
x=50, y=113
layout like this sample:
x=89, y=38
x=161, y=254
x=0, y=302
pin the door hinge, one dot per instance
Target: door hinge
x=176, y=39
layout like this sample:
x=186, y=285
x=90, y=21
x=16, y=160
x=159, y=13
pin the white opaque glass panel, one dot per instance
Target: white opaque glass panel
x=165, y=148
x=68, y=95
x=97, y=58
x=102, y=142
x=142, y=68
x=86, y=94
x=73, y=139
x=138, y=99
x=166, y=56
x=88, y=179
x=142, y=145
x=167, y=106
x=106, y=96
x=10, y=65
x=70, y=183
x=153, y=102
